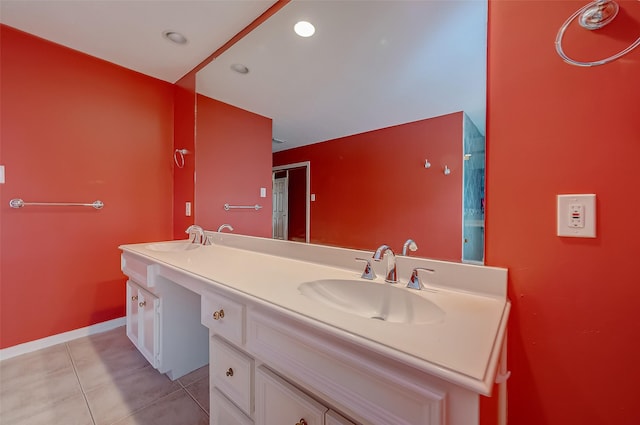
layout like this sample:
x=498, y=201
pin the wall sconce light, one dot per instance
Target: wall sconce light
x=427, y=164
x=446, y=170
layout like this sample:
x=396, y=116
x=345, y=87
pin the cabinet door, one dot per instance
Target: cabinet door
x=133, y=327
x=148, y=311
x=280, y=403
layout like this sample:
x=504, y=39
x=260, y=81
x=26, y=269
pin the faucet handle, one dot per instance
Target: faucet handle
x=415, y=282
x=368, y=272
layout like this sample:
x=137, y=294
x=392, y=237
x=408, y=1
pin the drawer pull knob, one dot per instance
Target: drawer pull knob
x=302, y=422
x=229, y=372
x=217, y=315
x=142, y=304
x=134, y=298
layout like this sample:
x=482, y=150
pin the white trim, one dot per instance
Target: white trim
x=28, y=347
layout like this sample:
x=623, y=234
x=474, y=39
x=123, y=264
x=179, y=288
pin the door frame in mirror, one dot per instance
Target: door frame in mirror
x=307, y=166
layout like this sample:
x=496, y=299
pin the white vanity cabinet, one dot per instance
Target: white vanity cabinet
x=163, y=320
x=242, y=393
x=266, y=369
x=278, y=357
x=143, y=311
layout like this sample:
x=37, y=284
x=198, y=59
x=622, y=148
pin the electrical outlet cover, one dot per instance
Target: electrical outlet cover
x=577, y=216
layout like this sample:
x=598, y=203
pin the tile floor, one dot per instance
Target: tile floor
x=101, y=379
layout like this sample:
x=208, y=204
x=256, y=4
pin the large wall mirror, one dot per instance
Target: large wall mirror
x=385, y=104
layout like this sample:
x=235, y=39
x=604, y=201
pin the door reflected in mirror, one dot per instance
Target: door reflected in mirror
x=291, y=199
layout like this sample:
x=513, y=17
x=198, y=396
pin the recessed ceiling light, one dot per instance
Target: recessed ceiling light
x=175, y=37
x=240, y=68
x=304, y=29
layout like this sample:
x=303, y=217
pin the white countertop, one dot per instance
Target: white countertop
x=464, y=344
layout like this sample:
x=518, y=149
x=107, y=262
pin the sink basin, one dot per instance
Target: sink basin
x=173, y=246
x=373, y=300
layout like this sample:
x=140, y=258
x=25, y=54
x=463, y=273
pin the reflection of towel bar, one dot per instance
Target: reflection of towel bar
x=19, y=203
x=228, y=207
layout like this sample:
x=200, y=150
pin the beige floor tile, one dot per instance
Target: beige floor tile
x=102, y=358
x=194, y=376
x=175, y=409
x=35, y=395
x=19, y=370
x=72, y=411
x=200, y=391
x=42, y=388
x=124, y=395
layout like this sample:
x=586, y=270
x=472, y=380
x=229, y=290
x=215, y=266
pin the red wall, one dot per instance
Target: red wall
x=184, y=138
x=234, y=162
x=364, y=180
x=76, y=129
x=553, y=128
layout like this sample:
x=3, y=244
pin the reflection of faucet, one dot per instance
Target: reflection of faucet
x=392, y=275
x=197, y=232
x=409, y=244
x=225, y=226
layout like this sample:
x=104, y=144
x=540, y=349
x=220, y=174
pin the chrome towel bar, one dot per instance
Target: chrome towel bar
x=228, y=207
x=19, y=203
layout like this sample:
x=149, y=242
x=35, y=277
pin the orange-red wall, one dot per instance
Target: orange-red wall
x=574, y=331
x=184, y=138
x=372, y=188
x=233, y=157
x=76, y=129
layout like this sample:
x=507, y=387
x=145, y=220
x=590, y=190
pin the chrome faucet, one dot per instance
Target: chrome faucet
x=196, y=234
x=415, y=282
x=368, y=272
x=409, y=244
x=392, y=272
x=225, y=226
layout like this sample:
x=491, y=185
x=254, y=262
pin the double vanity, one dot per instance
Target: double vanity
x=294, y=335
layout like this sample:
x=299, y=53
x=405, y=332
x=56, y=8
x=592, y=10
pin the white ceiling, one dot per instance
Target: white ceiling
x=129, y=32
x=370, y=65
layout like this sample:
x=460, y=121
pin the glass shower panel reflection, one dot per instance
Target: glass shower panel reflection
x=473, y=193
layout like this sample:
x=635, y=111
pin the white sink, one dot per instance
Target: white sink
x=173, y=246
x=373, y=300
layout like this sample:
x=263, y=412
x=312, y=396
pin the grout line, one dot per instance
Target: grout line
x=193, y=397
x=75, y=371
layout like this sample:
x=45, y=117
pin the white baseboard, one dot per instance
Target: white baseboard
x=28, y=347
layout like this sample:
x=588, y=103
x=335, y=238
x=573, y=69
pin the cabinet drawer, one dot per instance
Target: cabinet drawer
x=223, y=412
x=232, y=374
x=223, y=316
x=135, y=268
x=279, y=402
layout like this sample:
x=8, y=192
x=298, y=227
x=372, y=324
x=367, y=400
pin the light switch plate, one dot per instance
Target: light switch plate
x=577, y=215
x=1, y=174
